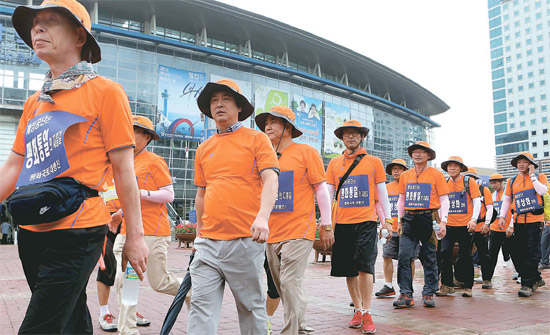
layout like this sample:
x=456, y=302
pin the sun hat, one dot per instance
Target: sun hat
x=472, y=172
x=351, y=124
x=203, y=101
x=525, y=155
x=454, y=159
x=23, y=17
x=496, y=176
x=282, y=112
x=144, y=123
x=397, y=161
x=422, y=145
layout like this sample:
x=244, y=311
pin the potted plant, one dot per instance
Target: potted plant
x=185, y=232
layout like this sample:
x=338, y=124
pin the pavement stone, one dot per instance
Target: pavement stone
x=494, y=311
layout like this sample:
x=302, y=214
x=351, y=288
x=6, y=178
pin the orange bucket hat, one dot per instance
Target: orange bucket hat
x=144, y=123
x=203, y=101
x=454, y=159
x=397, y=161
x=351, y=124
x=496, y=176
x=525, y=155
x=472, y=172
x=282, y=112
x=424, y=146
x=23, y=17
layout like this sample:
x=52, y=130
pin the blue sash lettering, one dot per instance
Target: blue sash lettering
x=355, y=192
x=285, y=195
x=417, y=195
x=496, y=206
x=45, y=155
x=526, y=201
x=458, y=203
x=393, y=204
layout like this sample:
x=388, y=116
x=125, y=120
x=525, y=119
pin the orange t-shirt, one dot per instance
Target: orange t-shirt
x=229, y=166
x=356, y=198
x=152, y=173
x=525, y=196
x=293, y=215
x=101, y=122
x=487, y=200
x=460, y=202
x=497, y=202
x=422, y=191
x=393, y=196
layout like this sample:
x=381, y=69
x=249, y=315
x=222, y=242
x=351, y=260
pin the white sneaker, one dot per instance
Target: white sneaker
x=107, y=324
x=141, y=321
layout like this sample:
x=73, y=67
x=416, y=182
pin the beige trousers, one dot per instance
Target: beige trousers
x=159, y=278
x=287, y=262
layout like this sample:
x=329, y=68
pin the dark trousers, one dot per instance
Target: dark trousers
x=545, y=246
x=526, y=252
x=57, y=266
x=417, y=229
x=482, y=244
x=497, y=241
x=464, y=264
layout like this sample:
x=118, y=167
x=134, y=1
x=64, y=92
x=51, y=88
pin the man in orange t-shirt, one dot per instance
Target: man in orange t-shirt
x=236, y=172
x=526, y=190
x=422, y=192
x=465, y=204
x=74, y=126
x=390, y=250
x=292, y=222
x=356, y=219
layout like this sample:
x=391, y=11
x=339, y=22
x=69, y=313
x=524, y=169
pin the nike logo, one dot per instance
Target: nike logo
x=43, y=210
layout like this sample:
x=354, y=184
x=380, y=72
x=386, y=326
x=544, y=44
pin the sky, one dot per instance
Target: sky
x=442, y=45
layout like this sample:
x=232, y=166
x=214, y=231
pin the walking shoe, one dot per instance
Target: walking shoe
x=538, y=283
x=368, y=326
x=385, y=291
x=525, y=291
x=518, y=281
x=543, y=266
x=444, y=290
x=458, y=283
x=306, y=331
x=141, y=321
x=487, y=284
x=106, y=323
x=428, y=301
x=356, y=321
x=515, y=276
x=478, y=280
x=405, y=300
x=467, y=293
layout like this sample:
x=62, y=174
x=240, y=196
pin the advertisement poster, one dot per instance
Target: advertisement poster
x=309, y=119
x=335, y=115
x=267, y=97
x=178, y=115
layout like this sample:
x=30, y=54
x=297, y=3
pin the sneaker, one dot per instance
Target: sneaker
x=487, y=284
x=106, y=323
x=385, y=291
x=428, y=301
x=306, y=331
x=518, y=281
x=405, y=300
x=356, y=321
x=515, y=276
x=444, y=290
x=368, y=326
x=478, y=280
x=458, y=283
x=141, y=321
x=525, y=291
x=467, y=293
x=543, y=266
x=537, y=284
x=268, y=327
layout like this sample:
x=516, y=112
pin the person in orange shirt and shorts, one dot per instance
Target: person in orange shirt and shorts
x=525, y=193
x=465, y=204
x=292, y=222
x=70, y=131
x=355, y=231
x=390, y=250
x=422, y=192
x=236, y=172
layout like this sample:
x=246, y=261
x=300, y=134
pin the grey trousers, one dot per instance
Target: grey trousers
x=238, y=262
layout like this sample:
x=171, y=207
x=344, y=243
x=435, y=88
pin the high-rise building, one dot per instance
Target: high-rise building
x=520, y=65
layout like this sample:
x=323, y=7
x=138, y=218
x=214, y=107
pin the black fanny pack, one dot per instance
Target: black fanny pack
x=48, y=201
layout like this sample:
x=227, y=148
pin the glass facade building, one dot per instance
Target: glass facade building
x=136, y=49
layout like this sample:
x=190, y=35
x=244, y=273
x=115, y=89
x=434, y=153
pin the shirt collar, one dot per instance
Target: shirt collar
x=231, y=129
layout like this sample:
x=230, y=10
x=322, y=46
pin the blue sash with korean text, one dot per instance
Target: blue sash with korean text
x=355, y=192
x=526, y=201
x=417, y=195
x=458, y=203
x=496, y=206
x=285, y=195
x=393, y=204
x=45, y=155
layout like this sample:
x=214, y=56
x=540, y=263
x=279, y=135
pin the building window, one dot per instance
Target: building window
x=521, y=102
x=510, y=104
x=511, y=115
x=530, y=52
x=533, y=144
x=545, y=131
x=544, y=119
x=530, y=74
x=520, y=88
x=522, y=123
x=531, y=99
x=534, y=132
x=545, y=142
x=527, y=30
x=521, y=112
x=520, y=77
x=533, y=122
x=546, y=154
x=518, y=66
x=532, y=110
x=528, y=41
x=531, y=85
x=542, y=82
x=512, y=126
x=535, y=155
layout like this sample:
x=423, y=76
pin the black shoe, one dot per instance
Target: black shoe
x=428, y=301
x=538, y=283
x=405, y=300
x=351, y=304
x=385, y=291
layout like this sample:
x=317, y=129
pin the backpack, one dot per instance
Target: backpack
x=535, y=211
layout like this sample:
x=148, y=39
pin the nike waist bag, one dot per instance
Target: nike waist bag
x=48, y=201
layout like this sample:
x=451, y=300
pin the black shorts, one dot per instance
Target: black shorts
x=271, y=288
x=107, y=276
x=391, y=248
x=354, y=249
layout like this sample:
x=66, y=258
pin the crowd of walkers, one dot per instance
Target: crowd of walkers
x=256, y=204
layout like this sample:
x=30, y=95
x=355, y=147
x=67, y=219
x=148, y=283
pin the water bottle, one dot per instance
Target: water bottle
x=384, y=235
x=130, y=289
x=436, y=228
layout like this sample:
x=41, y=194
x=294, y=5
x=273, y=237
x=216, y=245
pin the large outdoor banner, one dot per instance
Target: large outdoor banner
x=267, y=97
x=309, y=116
x=335, y=115
x=178, y=115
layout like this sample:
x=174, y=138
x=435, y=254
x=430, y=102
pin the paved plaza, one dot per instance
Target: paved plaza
x=495, y=311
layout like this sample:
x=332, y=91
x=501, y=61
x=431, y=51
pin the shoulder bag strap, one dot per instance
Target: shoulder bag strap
x=346, y=175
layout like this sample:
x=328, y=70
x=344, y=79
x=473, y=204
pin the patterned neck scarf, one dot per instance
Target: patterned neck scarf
x=73, y=78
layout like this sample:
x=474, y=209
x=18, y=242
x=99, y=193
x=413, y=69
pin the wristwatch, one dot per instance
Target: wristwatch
x=390, y=221
x=327, y=227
